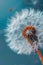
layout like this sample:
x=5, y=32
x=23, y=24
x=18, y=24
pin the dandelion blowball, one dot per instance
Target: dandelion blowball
x=14, y=28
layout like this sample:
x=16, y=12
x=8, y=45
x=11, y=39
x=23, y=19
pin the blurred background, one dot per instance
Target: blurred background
x=8, y=9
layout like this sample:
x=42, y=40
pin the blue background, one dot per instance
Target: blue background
x=8, y=57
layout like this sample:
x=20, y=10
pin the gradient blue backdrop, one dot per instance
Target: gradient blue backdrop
x=8, y=57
